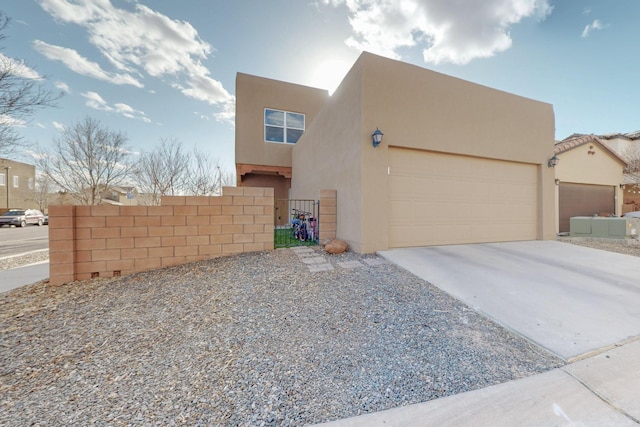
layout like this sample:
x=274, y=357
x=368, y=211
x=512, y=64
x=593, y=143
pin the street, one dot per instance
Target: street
x=17, y=240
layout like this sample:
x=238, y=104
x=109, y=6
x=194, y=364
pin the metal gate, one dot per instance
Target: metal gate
x=296, y=223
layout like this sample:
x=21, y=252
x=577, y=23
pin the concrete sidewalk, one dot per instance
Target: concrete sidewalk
x=602, y=390
x=25, y=275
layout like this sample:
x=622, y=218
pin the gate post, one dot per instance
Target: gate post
x=328, y=214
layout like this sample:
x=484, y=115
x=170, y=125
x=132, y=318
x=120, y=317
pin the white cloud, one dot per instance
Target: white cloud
x=595, y=25
x=454, y=32
x=18, y=68
x=145, y=40
x=228, y=113
x=6, y=120
x=58, y=126
x=201, y=116
x=63, y=87
x=95, y=101
x=81, y=65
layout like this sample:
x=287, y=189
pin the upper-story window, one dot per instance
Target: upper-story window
x=16, y=181
x=282, y=126
x=2, y=179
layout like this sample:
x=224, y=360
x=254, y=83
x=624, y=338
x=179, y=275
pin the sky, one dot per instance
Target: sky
x=165, y=69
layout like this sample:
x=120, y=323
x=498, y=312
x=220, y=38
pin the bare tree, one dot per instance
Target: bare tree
x=163, y=171
x=632, y=156
x=206, y=176
x=21, y=93
x=41, y=192
x=86, y=160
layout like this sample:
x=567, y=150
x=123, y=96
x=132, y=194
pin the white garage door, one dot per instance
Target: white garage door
x=440, y=199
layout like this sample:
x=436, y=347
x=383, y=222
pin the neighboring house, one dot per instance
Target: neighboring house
x=627, y=145
x=621, y=143
x=123, y=196
x=459, y=162
x=589, y=178
x=17, y=184
x=112, y=195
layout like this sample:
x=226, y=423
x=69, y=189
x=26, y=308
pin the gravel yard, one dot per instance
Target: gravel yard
x=630, y=247
x=21, y=260
x=253, y=339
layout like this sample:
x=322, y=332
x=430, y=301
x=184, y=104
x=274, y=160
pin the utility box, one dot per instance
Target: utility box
x=612, y=228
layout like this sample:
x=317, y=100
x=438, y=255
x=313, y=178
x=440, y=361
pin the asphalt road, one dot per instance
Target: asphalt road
x=17, y=240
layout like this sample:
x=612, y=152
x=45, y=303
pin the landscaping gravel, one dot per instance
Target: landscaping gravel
x=14, y=261
x=627, y=247
x=252, y=339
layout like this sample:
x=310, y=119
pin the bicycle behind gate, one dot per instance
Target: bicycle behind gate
x=303, y=225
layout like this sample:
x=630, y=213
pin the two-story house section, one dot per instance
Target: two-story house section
x=270, y=118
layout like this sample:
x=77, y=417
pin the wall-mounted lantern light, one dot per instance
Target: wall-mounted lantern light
x=557, y=181
x=622, y=186
x=553, y=162
x=376, y=137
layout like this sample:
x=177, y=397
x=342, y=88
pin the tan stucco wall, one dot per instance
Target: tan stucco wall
x=21, y=197
x=619, y=145
x=421, y=109
x=253, y=95
x=326, y=157
x=580, y=167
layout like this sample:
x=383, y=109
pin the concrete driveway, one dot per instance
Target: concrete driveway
x=568, y=299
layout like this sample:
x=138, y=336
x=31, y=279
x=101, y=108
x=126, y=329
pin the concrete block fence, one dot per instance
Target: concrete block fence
x=107, y=240
x=327, y=214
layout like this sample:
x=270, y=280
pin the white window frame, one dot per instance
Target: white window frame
x=16, y=181
x=285, y=127
x=2, y=179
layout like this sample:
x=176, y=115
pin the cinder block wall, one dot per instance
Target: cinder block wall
x=106, y=241
x=328, y=214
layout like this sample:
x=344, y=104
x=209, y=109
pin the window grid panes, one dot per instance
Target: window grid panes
x=283, y=126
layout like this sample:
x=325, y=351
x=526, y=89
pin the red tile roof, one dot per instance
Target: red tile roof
x=576, y=140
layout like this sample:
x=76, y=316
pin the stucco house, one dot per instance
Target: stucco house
x=270, y=118
x=458, y=163
x=589, y=178
x=627, y=146
x=17, y=184
x=622, y=143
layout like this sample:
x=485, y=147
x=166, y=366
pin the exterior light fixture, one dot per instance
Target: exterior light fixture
x=376, y=137
x=622, y=186
x=557, y=181
x=553, y=162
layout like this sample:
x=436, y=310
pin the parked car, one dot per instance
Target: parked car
x=635, y=214
x=21, y=217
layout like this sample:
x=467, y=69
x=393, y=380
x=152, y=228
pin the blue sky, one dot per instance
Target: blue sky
x=166, y=69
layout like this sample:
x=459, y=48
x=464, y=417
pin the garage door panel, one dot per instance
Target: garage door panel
x=584, y=200
x=446, y=199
